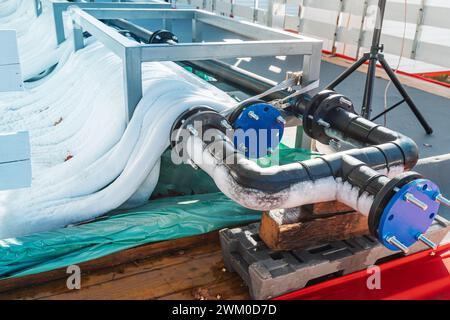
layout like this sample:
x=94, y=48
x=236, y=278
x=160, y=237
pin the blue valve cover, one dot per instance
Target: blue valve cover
x=405, y=220
x=260, y=135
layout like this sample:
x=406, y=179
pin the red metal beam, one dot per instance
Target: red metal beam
x=422, y=276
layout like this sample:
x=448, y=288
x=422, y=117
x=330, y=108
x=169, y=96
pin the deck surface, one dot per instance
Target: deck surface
x=432, y=100
x=164, y=270
x=193, y=268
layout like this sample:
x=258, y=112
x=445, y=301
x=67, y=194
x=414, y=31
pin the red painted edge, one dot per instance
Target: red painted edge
x=421, y=76
x=435, y=74
x=421, y=276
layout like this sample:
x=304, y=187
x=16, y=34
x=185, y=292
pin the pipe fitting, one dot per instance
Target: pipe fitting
x=357, y=177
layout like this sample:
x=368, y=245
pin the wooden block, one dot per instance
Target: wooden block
x=327, y=208
x=297, y=229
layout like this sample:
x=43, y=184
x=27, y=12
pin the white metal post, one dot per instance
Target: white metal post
x=78, y=39
x=301, y=18
x=361, y=29
x=270, y=5
x=418, y=33
x=338, y=22
x=132, y=72
x=255, y=10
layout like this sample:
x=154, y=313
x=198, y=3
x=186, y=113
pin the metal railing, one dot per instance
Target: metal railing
x=258, y=41
x=346, y=26
x=61, y=6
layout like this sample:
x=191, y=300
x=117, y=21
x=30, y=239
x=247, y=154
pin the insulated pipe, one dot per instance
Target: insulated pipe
x=280, y=178
x=138, y=32
x=400, y=207
x=385, y=150
x=299, y=189
x=358, y=174
x=396, y=151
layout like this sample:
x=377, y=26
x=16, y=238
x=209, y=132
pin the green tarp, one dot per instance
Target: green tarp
x=161, y=219
x=194, y=207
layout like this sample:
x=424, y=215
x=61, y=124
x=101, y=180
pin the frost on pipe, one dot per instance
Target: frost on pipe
x=354, y=177
x=38, y=49
x=16, y=13
x=85, y=162
x=7, y=8
x=295, y=195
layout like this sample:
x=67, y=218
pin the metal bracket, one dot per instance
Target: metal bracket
x=38, y=7
x=15, y=163
x=418, y=33
x=10, y=70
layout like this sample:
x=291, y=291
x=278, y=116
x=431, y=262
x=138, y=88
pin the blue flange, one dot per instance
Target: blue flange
x=404, y=217
x=258, y=130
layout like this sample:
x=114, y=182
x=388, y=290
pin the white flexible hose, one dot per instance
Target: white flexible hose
x=109, y=165
x=298, y=194
x=86, y=161
x=36, y=37
x=7, y=8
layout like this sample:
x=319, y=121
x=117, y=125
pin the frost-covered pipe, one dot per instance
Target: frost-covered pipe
x=312, y=181
x=295, y=194
x=400, y=208
x=278, y=187
x=7, y=7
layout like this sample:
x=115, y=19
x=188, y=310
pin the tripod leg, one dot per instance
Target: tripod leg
x=368, y=90
x=405, y=95
x=348, y=72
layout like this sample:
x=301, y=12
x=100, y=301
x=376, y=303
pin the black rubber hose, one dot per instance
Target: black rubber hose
x=358, y=174
x=386, y=148
x=281, y=177
x=397, y=148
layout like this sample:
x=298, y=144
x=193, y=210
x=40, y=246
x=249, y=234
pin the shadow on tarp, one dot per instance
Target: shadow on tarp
x=197, y=208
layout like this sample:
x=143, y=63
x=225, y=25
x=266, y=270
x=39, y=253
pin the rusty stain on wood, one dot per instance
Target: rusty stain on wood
x=316, y=225
x=327, y=207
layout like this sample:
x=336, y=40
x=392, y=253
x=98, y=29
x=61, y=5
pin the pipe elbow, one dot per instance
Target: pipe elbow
x=250, y=175
x=410, y=151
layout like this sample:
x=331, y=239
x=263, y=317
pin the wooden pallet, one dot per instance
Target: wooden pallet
x=270, y=274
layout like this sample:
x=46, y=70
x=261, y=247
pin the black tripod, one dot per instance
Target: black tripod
x=375, y=55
